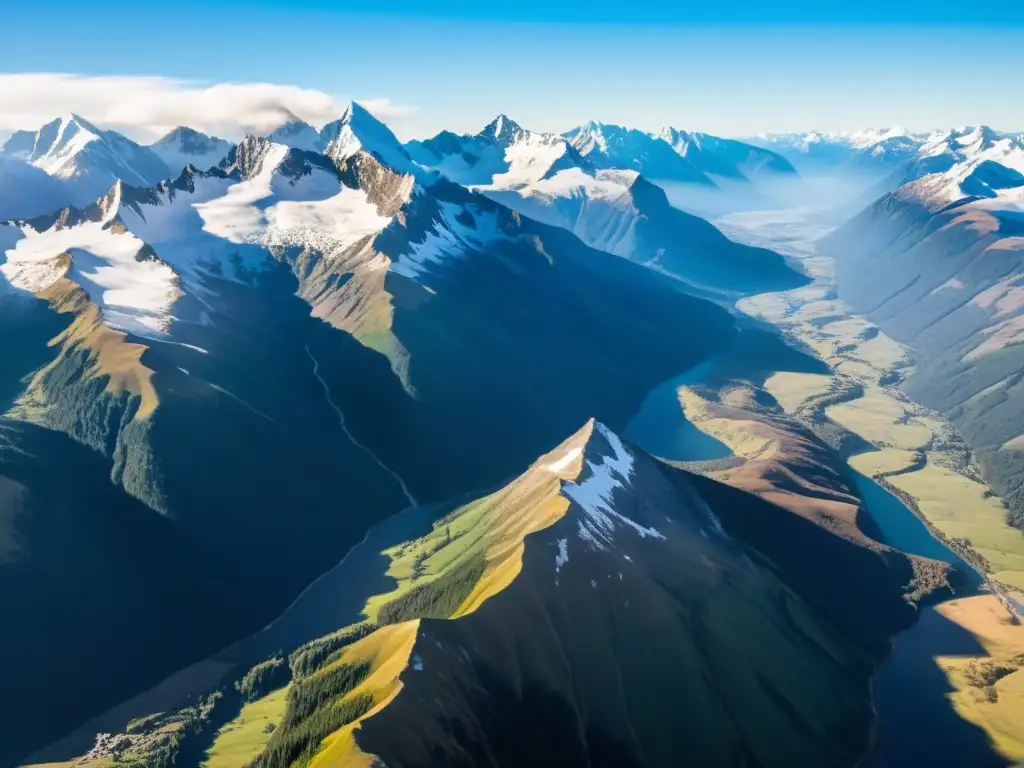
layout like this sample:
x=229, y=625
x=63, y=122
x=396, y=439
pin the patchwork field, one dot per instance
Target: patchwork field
x=960, y=507
x=792, y=390
x=881, y=419
x=884, y=461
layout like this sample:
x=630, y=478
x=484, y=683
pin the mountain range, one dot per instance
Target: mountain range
x=868, y=151
x=82, y=162
x=936, y=263
x=607, y=202
x=310, y=447
x=251, y=338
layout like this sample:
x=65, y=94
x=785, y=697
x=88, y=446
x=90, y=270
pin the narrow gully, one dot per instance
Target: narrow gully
x=344, y=428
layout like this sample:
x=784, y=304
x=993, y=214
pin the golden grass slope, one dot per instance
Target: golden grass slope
x=791, y=390
x=494, y=526
x=783, y=463
x=242, y=740
x=109, y=354
x=1003, y=640
x=881, y=419
x=884, y=461
x=387, y=651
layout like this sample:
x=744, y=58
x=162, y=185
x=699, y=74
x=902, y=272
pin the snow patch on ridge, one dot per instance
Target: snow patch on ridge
x=235, y=216
x=594, y=495
x=297, y=135
x=597, y=208
x=529, y=159
x=447, y=239
x=566, y=460
x=134, y=295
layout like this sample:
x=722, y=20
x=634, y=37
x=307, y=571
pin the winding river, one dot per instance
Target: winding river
x=918, y=725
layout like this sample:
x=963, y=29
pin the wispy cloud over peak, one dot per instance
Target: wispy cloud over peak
x=147, y=107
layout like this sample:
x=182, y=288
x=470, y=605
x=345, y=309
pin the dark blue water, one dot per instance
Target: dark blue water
x=901, y=529
x=918, y=725
x=660, y=427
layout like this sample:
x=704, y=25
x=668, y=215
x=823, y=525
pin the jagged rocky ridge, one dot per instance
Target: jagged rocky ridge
x=318, y=333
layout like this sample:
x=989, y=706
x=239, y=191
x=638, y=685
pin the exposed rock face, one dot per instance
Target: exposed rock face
x=567, y=182
x=224, y=397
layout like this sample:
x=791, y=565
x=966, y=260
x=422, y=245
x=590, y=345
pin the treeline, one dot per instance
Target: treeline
x=964, y=547
x=438, y=599
x=316, y=709
x=297, y=746
x=307, y=696
x=985, y=676
x=320, y=701
x=265, y=677
x=308, y=658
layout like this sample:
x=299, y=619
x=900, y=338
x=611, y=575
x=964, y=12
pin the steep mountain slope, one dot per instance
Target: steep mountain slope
x=612, y=146
x=937, y=264
x=201, y=438
x=726, y=158
x=543, y=176
x=548, y=622
x=358, y=131
x=87, y=159
x=186, y=146
x=625, y=214
x=329, y=338
x=27, y=191
x=939, y=153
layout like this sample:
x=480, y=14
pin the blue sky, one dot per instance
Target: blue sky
x=732, y=68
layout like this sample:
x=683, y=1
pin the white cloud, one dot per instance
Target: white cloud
x=145, y=108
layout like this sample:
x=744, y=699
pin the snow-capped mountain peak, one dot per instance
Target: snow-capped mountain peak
x=613, y=146
x=961, y=144
x=297, y=134
x=673, y=135
x=503, y=155
x=59, y=141
x=869, y=137
x=503, y=130
x=975, y=162
x=590, y=137
x=721, y=158
x=86, y=159
x=187, y=146
x=357, y=130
